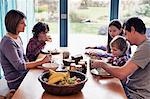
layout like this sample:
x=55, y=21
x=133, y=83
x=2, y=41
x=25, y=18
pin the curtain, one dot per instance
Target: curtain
x=27, y=7
x=5, y=6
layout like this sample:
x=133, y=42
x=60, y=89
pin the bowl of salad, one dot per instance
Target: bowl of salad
x=62, y=83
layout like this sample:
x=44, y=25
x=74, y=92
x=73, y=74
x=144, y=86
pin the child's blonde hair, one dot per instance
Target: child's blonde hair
x=121, y=43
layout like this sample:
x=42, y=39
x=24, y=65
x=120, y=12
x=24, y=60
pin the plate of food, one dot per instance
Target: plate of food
x=100, y=72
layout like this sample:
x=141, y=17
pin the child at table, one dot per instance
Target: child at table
x=119, y=49
x=114, y=29
x=38, y=41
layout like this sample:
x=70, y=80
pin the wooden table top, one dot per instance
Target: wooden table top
x=95, y=88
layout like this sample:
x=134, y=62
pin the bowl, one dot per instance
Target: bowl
x=52, y=66
x=63, y=90
x=67, y=62
x=77, y=58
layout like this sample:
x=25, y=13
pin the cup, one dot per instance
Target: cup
x=66, y=54
x=90, y=63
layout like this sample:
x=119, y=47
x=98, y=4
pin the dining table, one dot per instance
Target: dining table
x=96, y=87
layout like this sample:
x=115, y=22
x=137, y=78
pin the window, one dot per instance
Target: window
x=140, y=8
x=88, y=20
x=48, y=11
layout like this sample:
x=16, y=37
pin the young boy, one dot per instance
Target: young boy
x=119, y=48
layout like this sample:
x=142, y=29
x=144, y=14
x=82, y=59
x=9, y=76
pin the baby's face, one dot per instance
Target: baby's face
x=115, y=51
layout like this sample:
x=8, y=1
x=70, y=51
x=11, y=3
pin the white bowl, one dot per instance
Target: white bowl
x=52, y=66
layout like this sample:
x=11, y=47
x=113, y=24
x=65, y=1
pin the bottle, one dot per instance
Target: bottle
x=84, y=66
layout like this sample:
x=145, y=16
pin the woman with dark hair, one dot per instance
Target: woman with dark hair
x=38, y=41
x=13, y=60
x=112, y=32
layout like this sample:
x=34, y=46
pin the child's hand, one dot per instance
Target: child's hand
x=92, y=53
x=48, y=38
x=47, y=58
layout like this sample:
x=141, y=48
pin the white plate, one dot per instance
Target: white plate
x=52, y=66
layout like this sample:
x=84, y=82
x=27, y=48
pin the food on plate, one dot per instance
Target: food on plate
x=100, y=72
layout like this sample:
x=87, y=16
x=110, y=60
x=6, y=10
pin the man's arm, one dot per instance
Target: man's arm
x=119, y=72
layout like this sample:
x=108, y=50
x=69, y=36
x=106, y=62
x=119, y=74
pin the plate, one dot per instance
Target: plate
x=44, y=52
x=100, y=72
x=52, y=66
x=55, y=52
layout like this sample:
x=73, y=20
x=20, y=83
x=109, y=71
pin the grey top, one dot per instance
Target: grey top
x=12, y=59
x=138, y=85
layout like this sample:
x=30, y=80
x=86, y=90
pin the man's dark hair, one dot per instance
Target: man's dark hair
x=137, y=23
x=38, y=28
x=12, y=19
